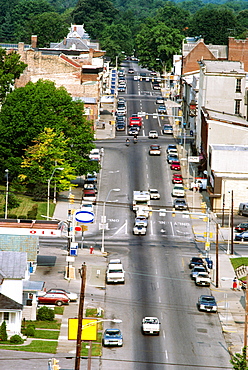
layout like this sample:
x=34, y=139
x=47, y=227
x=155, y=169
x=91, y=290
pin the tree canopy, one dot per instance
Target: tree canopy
x=28, y=110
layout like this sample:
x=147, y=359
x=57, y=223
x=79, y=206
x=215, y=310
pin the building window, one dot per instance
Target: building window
x=238, y=85
x=237, y=106
x=6, y=316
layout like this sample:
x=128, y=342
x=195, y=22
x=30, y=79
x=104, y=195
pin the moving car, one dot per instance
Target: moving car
x=115, y=272
x=180, y=204
x=196, y=261
x=207, y=303
x=133, y=131
x=131, y=70
x=156, y=86
x=70, y=295
x=153, y=134
x=162, y=109
x=177, y=178
x=135, y=120
x=178, y=191
x=196, y=270
x=150, y=325
x=112, y=337
x=242, y=227
x=242, y=236
x=154, y=194
x=141, y=220
x=139, y=229
x=57, y=299
x=155, y=149
x=175, y=166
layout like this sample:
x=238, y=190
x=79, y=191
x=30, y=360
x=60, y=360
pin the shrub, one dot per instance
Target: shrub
x=3, y=331
x=33, y=212
x=22, y=217
x=45, y=314
x=16, y=339
x=12, y=215
x=30, y=330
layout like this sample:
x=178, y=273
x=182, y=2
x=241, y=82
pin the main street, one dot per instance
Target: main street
x=156, y=265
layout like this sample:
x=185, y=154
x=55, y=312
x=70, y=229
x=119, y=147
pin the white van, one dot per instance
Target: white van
x=243, y=209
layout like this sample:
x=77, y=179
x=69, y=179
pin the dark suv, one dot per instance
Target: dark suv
x=195, y=261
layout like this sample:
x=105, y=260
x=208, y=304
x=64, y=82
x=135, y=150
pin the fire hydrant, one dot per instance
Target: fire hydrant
x=91, y=250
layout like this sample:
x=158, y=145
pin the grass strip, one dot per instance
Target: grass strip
x=239, y=261
x=34, y=346
x=43, y=324
x=46, y=334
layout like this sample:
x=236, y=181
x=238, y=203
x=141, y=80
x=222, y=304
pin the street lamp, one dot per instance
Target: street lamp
x=104, y=217
x=48, y=188
x=7, y=194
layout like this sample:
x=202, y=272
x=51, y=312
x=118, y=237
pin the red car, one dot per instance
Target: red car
x=177, y=178
x=135, y=121
x=242, y=227
x=175, y=165
x=53, y=298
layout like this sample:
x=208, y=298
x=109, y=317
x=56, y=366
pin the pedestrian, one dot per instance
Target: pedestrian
x=235, y=283
x=200, y=186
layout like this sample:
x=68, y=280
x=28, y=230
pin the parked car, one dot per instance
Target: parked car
x=90, y=186
x=87, y=206
x=70, y=295
x=155, y=149
x=170, y=147
x=172, y=157
x=196, y=270
x=122, y=88
x=91, y=177
x=53, y=298
x=172, y=151
x=207, y=303
x=242, y=236
x=180, y=204
x=175, y=166
x=141, y=220
x=160, y=100
x=196, y=261
x=112, y=337
x=162, y=109
x=167, y=129
x=120, y=127
x=153, y=134
x=156, y=86
x=154, y=194
x=139, y=229
x=89, y=195
x=177, y=178
x=178, y=191
x=203, y=279
x=242, y=227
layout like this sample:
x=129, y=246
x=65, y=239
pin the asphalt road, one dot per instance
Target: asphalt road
x=157, y=273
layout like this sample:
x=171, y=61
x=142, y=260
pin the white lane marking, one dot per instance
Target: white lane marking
x=162, y=315
x=159, y=299
x=166, y=354
x=123, y=226
x=164, y=337
x=151, y=225
x=157, y=284
x=156, y=271
x=143, y=132
x=172, y=229
x=147, y=166
x=147, y=175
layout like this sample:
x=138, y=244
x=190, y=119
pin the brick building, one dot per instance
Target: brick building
x=238, y=50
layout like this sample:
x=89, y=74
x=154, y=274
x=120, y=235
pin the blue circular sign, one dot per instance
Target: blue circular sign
x=84, y=217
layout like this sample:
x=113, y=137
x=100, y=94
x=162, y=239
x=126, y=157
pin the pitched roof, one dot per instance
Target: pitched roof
x=7, y=303
x=13, y=265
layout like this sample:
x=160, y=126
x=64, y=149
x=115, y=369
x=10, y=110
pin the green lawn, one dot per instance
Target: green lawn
x=236, y=262
x=46, y=334
x=44, y=324
x=35, y=346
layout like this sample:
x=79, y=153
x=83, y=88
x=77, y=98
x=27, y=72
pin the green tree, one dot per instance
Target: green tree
x=173, y=16
x=48, y=152
x=156, y=44
x=28, y=110
x=3, y=331
x=49, y=27
x=116, y=38
x=94, y=14
x=10, y=68
x=213, y=23
x=239, y=361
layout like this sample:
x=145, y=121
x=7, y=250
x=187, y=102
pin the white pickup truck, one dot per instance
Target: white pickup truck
x=203, y=279
x=150, y=325
x=115, y=272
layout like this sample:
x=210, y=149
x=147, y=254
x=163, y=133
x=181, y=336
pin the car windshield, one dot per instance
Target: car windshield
x=208, y=299
x=112, y=333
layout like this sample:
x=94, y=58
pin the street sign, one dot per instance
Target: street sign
x=194, y=159
x=84, y=217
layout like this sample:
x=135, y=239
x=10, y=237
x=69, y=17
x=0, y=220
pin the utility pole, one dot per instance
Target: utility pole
x=82, y=272
x=217, y=255
x=232, y=251
x=246, y=314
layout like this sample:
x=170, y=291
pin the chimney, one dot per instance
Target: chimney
x=91, y=53
x=65, y=40
x=75, y=28
x=34, y=41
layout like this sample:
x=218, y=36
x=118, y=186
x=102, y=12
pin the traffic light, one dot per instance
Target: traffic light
x=71, y=198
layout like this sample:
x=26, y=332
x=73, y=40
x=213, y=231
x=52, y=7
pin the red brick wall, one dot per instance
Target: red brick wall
x=200, y=51
x=238, y=51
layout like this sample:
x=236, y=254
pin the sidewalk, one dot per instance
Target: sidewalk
x=231, y=304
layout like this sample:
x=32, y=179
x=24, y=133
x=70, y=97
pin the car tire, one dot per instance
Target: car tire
x=59, y=303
